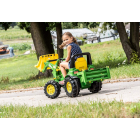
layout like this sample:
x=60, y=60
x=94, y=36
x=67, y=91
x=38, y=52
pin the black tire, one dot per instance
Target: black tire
x=95, y=87
x=71, y=87
x=79, y=86
x=52, y=89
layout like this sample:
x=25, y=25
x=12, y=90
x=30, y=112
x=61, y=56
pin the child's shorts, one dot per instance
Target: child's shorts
x=69, y=65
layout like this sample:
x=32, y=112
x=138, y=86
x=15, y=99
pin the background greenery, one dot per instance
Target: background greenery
x=13, y=34
x=19, y=71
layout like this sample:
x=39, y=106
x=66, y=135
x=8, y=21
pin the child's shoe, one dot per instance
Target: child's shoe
x=61, y=82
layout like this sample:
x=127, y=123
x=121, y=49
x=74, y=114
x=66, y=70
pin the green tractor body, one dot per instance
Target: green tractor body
x=81, y=75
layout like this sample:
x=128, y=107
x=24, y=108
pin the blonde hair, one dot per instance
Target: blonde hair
x=70, y=35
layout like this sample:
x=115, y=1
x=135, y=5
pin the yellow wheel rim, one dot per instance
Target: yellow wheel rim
x=69, y=87
x=50, y=89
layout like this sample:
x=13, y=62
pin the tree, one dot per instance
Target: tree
x=67, y=25
x=5, y=25
x=40, y=32
x=25, y=25
x=59, y=39
x=129, y=45
x=42, y=39
x=132, y=44
x=134, y=37
x=48, y=26
x=124, y=40
x=85, y=24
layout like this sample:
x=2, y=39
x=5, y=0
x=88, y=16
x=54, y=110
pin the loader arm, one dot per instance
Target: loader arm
x=51, y=66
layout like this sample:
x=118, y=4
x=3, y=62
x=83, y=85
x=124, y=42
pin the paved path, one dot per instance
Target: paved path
x=125, y=91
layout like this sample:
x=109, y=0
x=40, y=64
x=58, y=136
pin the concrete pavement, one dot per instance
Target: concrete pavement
x=120, y=91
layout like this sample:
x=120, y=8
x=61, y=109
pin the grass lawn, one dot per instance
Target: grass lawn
x=14, y=34
x=19, y=72
x=91, y=109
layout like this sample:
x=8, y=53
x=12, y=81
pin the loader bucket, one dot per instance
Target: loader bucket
x=44, y=58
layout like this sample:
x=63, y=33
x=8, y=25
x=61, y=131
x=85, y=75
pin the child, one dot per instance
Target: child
x=72, y=49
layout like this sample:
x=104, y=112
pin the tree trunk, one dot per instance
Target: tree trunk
x=124, y=40
x=59, y=39
x=41, y=38
x=42, y=42
x=134, y=36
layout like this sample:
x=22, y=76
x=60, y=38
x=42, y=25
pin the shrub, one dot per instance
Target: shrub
x=16, y=27
x=21, y=47
x=10, y=27
x=135, y=58
x=4, y=80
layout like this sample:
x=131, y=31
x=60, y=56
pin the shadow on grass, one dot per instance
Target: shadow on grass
x=111, y=64
x=29, y=79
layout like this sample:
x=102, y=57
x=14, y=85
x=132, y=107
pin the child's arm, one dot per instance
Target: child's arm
x=68, y=53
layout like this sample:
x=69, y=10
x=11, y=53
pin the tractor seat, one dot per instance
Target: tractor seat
x=81, y=64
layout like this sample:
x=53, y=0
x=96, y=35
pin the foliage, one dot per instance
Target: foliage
x=50, y=26
x=81, y=38
x=20, y=47
x=4, y=80
x=72, y=25
x=10, y=27
x=93, y=24
x=16, y=27
x=134, y=58
x=95, y=30
x=107, y=26
x=67, y=25
x=25, y=25
x=5, y=25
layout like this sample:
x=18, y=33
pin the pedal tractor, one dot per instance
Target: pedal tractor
x=81, y=75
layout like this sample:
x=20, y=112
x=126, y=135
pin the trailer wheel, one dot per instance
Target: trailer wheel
x=52, y=89
x=71, y=87
x=95, y=87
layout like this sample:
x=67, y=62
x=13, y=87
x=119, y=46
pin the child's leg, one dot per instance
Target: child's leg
x=63, y=66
